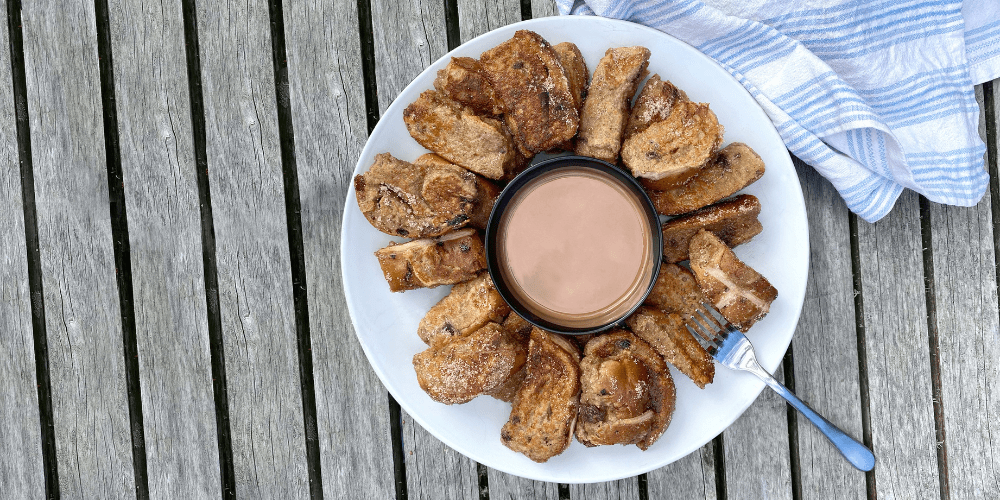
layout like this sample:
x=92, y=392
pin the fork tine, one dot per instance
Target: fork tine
x=709, y=311
x=702, y=329
x=698, y=335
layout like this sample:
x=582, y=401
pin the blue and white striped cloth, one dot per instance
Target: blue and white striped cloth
x=877, y=95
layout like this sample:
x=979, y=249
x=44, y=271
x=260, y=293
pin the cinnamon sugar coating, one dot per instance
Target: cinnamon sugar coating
x=739, y=292
x=426, y=263
x=532, y=85
x=627, y=392
x=415, y=201
x=606, y=109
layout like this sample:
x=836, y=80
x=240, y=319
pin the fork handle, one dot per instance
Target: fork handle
x=856, y=453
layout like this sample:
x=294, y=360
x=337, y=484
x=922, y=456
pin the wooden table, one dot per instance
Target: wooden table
x=173, y=323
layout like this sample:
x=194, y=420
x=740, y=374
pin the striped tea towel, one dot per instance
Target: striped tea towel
x=877, y=95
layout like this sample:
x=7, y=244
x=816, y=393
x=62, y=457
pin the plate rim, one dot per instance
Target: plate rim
x=350, y=198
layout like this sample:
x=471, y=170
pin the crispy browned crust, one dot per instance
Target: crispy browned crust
x=576, y=71
x=670, y=151
x=465, y=81
x=544, y=412
x=654, y=104
x=739, y=292
x=416, y=201
x=627, y=392
x=457, y=371
x=486, y=192
x=667, y=334
x=606, y=109
x=459, y=135
x=735, y=167
x=675, y=291
x=532, y=85
x=426, y=263
x=520, y=331
x=734, y=221
x=466, y=308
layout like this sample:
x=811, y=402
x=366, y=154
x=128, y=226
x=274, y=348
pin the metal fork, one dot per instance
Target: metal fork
x=732, y=349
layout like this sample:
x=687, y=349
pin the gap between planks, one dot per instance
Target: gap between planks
x=293, y=210
x=38, y=327
x=122, y=250
x=210, y=265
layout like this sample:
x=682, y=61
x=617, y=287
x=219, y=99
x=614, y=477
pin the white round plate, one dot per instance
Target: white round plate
x=386, y=323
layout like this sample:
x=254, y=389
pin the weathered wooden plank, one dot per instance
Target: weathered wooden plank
x=476, y=17
x=692, y=477
x=21, y=472
x=543, y=8
x=899, y=376
x=161, y=196
x=503, y=485
x=826, y=345
x=255, y=289
x=756, y=449
x=408, y=37
x=83, y=321
x=328, y=114
x=433, y=470
x=965, y=291
x=623, y=489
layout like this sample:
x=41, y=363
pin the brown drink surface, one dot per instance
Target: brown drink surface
x=576, y=245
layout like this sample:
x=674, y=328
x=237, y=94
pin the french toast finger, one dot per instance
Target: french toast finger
x=426, y=263
x=654, y=104
x=735, y=167
x=520, y=331
x=466, y=308
x=465, y=82
x=457, y=371
x=576, y=71
x=415, y=201
x=459, y=135
x=667, y=334
x=675, y=291
x=627, y=392
x=544, y=412
x=738, y=292
x=538, y=105
x=734, y=221
x=486, y=192
x=606, y=109
x=669, y=152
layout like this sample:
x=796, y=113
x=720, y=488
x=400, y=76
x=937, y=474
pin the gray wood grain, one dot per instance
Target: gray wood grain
x=476, y=17
x=965, y=291
x=21, y=473
x=83, y=322
x=255, y=286
x=692, y=477
x=433, y=470
x=161, y=196
x=503, y=485
x=899, y=379
x=328, y=115
x=826, y=345
x=756, y=449
x=543, y=8
x=623, y=489
x=409, y=36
